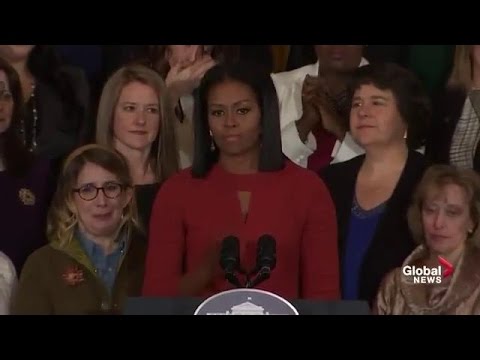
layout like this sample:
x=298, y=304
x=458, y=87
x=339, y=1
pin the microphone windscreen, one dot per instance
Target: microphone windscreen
x=230, y=253
x=267, y=251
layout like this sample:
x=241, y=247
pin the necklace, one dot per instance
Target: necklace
x=30, y=142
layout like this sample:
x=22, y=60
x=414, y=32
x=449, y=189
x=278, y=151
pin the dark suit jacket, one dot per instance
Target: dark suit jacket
x=448, y=107
x=392, y=241
x=64, y=126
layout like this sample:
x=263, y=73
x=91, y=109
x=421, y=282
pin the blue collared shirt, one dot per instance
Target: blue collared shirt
x=106, y=266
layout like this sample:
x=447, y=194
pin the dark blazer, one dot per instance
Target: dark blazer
x=63, y=126
x=23, y=211
x=392, y=241
x=448, y=107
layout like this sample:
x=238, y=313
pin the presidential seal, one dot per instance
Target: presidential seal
x=246, y=302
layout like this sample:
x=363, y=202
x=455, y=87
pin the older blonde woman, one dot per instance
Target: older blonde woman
x=455, y=134
x=444, y=219
x=94, y=259
x=135, y=118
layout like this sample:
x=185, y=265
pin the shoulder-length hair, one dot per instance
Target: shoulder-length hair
x=164, y=152
x=271, y=156
x=435, y=178
x=62, y=218
x=462, y=70
x=411, y=96
x=16, y=158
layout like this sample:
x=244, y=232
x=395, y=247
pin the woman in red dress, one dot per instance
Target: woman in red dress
x=241, y=185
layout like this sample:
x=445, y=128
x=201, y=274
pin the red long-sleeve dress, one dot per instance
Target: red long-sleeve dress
x=293, y=205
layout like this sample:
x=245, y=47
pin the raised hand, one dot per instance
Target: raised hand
x=183, y=80
x=321, y=99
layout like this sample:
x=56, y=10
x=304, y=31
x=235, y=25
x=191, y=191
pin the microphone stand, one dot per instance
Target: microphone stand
x=262, y=275
x=232, y=279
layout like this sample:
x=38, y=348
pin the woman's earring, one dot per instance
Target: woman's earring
x=406, y=134
x=212, y=143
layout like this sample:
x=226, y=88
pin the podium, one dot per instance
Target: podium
x=187, y=306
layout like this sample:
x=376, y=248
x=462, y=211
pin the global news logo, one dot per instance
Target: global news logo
x=426, y=275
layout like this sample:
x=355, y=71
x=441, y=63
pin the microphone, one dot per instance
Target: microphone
x=230, y=259
x=266, y=260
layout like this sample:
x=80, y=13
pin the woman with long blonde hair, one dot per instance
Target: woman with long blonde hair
x=136, y=119
x=95, y=257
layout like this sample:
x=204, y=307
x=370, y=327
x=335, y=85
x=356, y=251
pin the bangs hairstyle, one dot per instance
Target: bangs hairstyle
x=412, y=100
x=435, y=179
x=164, y=152
x=271, y=156
x=62, y=219
x=15, y=156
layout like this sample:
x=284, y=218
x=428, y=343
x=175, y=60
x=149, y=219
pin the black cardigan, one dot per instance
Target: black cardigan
x=392, y=241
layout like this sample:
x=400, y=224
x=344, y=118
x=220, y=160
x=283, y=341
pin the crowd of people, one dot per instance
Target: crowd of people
x=352, y=163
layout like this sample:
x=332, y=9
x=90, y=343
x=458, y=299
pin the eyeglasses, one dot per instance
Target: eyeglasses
x=89, y=192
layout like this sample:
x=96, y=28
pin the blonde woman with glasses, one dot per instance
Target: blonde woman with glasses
x=136, y=119
x=95, y=258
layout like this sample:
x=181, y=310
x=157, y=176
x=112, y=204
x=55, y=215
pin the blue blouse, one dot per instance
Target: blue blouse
x=362, y=226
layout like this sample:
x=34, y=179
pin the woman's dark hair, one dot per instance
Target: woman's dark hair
x=271, y=156
x=15, y=156
x=43, y=62
x=46, y=65
x=412, y=99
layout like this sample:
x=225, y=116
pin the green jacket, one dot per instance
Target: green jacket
x=58, y=280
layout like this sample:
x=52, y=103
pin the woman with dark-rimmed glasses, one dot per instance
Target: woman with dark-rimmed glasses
x=94, y=259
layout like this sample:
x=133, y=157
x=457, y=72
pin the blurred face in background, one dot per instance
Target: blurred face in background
x=15, y=53
x=6, y=103
x=339, y=58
